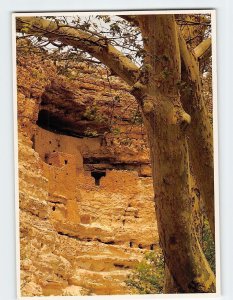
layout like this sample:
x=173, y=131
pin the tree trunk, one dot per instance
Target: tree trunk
x=200, y=132
x=170, y=286
x=166, y=123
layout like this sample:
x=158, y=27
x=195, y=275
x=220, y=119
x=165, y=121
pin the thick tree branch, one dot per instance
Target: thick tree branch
x=95, y=45
x=203, y=49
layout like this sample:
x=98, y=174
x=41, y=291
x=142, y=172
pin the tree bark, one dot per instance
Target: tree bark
x=170, y=286
x=166, y=123
x=200, y=131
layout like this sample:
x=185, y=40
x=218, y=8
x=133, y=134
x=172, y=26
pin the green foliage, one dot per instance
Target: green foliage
x=148, y=276
x=137, y=118
x=25, y=29
x=116, y=130
x=126, y=141
x=208, y=245
x=165, y=73
x=90, y=133
x=115, y=27
x=101, y=118
x=92, y=114
x=106, y=19
x=36, y=74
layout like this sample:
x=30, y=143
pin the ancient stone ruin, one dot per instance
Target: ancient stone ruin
x=85, y=188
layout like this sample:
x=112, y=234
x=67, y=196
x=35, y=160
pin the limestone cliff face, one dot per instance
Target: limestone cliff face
x=85, y=188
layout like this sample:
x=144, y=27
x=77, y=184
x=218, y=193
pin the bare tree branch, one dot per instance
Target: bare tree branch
x=98, y=47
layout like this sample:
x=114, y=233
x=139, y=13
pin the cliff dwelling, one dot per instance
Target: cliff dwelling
x=86, y=197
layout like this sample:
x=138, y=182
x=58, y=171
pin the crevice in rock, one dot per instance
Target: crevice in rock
x=109, y=243
x=33, y=141
x=68, y=235
x=86, y=239
x=121, y=266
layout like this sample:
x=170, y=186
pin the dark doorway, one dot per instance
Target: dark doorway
x=98, y=175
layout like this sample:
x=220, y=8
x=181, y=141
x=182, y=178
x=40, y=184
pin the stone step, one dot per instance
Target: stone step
x=101, y=283
x=102, y=263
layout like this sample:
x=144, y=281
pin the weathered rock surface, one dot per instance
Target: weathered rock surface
x=85, y=196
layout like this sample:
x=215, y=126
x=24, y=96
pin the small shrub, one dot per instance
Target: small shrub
x=208, y=245
x=90, y=133
x=90, y=113
x=116, y=130
x=126, y=141
x=136, y=118
x=148, y=276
